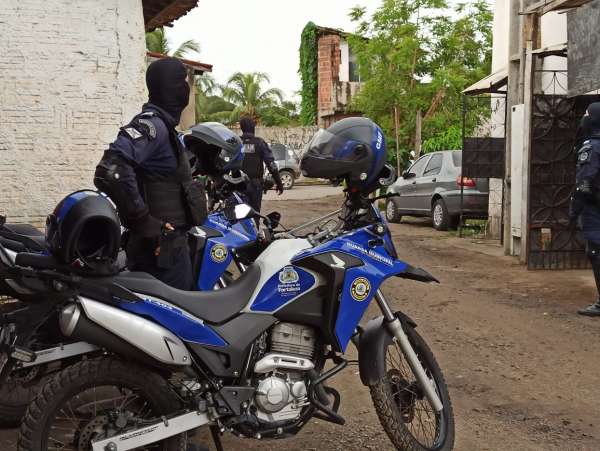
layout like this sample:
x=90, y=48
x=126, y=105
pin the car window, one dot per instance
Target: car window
x=434, y=166
x=419, y=165
x=457, y=158
x=278, y=151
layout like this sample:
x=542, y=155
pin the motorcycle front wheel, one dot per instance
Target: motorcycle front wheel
x=404, y=412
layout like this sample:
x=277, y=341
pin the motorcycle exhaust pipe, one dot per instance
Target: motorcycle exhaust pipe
x=74, y=324
x=159, y=348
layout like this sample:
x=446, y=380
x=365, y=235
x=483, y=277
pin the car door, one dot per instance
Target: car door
x=425, y=185
x=408, y=183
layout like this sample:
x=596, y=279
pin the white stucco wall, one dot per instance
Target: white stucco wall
x=500, y=57
x=71, y=73
x=553, y=32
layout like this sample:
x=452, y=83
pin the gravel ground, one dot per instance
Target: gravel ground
x=520, y=364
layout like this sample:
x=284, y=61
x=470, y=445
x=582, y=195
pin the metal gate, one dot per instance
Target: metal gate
x=552, y=243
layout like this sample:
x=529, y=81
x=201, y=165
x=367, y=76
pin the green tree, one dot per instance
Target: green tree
x=247, y=93
x=420, y=56
x=156, y=41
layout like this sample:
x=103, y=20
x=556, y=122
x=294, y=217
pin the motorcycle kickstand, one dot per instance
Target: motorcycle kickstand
x=216, y=436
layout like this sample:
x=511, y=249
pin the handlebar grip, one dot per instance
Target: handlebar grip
x=36, y=261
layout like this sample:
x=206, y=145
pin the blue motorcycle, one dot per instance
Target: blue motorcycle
x=214, y=246
x=250, y=359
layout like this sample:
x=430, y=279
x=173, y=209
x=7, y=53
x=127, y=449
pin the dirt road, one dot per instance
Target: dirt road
x=521, y=366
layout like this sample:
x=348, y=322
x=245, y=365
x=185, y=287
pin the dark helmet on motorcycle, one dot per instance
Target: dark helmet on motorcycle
x=84, y=229
x=352, y=149
x=217, y=149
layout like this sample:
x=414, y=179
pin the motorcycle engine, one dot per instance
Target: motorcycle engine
x=282, y=381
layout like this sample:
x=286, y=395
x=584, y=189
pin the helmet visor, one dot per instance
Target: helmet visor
x=327, y=145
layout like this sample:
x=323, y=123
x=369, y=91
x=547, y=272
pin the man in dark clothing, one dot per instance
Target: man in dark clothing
x=257, y=155
x=585, y=203
x=147, y=175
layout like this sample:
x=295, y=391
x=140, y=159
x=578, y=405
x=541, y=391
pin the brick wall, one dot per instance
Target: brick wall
x=328, y=69
x=71, y=73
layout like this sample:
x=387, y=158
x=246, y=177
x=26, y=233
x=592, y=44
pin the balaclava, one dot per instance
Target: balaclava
x=167, y=86
x=247, y=125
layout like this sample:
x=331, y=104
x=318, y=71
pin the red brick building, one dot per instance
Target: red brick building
x=338, y=76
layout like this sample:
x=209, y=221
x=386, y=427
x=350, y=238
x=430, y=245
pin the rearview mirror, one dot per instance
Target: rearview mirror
x=239, y=212
x=409, y=175
x=274, y=218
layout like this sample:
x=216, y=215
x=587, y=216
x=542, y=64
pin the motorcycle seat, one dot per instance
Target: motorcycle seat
x=31, y=238
x=215, y=306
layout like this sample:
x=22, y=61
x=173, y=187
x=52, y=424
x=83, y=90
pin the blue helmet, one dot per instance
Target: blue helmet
x=217, y=149
x=85, y=229
x=352, y=149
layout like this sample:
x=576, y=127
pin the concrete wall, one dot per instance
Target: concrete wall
x=294, y=137
x=71, y=73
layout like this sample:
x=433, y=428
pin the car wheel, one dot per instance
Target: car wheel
x=392, y=213
x=440, y=216
x=287, y=179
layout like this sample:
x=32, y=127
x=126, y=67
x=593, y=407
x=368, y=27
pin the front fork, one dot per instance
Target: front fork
x=395, y=328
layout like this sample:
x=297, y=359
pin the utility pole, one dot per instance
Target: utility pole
x=418, y=125
x=396, y=128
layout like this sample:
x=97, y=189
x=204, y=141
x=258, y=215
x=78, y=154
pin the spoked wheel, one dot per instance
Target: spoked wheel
x=404, y=412
x=94, y=400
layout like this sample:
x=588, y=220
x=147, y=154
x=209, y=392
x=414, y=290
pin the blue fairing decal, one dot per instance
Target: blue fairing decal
x=282, y=288
x=218, y=250
x=360, y=283
x=182, y=324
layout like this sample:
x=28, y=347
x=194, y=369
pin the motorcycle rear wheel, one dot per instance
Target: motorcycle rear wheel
x=404, y=412
x=85, y=396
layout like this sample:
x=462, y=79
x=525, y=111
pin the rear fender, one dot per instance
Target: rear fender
x=374, y=341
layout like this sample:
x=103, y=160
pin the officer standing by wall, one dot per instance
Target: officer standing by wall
x=585, y=203
x=257, y=155
x=147, y=175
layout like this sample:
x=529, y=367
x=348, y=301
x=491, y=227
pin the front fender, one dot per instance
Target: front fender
x=418, y=274
x=373, y=343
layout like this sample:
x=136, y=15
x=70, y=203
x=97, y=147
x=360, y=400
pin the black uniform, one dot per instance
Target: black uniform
x=257, y=155
x=147, y=175
x=585, y=203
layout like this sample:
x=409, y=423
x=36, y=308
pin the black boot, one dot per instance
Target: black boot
x=591, y=310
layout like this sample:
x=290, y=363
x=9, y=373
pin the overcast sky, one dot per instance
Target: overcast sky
x=259, y=35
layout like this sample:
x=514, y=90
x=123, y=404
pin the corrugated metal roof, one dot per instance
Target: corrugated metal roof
x=196, y=65
x=491, y=83
x=158, y=13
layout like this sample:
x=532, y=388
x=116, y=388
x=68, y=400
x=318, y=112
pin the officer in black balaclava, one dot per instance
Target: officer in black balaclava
x=147, y=175
x=585, y=203
x=257, y=155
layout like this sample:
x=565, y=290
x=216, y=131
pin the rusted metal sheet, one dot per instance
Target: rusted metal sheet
x=158, y=13
x=584, y=51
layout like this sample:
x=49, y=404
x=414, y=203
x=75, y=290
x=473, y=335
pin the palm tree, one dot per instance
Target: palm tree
x=246, y=92
x=156, y=41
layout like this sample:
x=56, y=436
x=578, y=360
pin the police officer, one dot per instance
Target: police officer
x=585, y=203
x=146, y=173
x=257, y=155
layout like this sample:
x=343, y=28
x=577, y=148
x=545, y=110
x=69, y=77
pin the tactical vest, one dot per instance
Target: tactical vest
x=253, y=164
x=174, y=197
